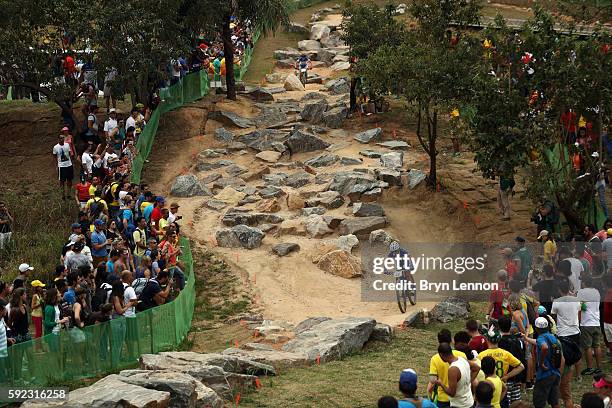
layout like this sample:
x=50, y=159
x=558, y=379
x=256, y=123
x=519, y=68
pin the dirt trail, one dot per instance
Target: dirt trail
x=293, y=288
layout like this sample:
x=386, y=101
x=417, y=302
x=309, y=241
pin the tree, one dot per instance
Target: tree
x=426, y=68
x=261, y=16
x=541, y=73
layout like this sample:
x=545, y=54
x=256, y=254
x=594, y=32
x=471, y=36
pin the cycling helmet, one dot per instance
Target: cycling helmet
x=394, y=246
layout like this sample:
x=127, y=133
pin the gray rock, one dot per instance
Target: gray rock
x=250, y=200
x=276, y=77
x=368, y=210
x=215, y=205
x=316, y=226
x=301, y=141
x=309, y=45
x=338, y=86
x=322, y=178
x=275, y=179
x=333, y=221
x=333, y=41
x=236, y=146
x=310, y=96
x=284, y=63
x=392, y=160
x=308, y=211
x=207, y=166
x=285, y=248
x=380, y=237
x=110, y=391
x=326, y=56
x=362, y=225
x=271, y=192
x=309, y=324
x=341, y=58
x=371, y=195
x=224, y=134
x=275, y=358
x=292, y=83
x=451, y=309
x=297, y=180
x=240, y=236
x=210, y=178
x=287, y=54
x=261, y=95
x=415, y=177
x=392, y=177
x=327, y=199
x=269, y=156
x=297, y=28
x=319, y=31
x=228, y=182
x=236, y=170
x=188, y=186
x=232, y=218
x=371, y=154
x=340, y=66
x=349, y=161
x=347, y=242
x=212, y=153
x=314, y=111
x=230, y=119
x=334, y=118
x=322, y=160
x=382, y=332
x=344, y=182
x=369, y=135
x=332, y=339
x=394, y=145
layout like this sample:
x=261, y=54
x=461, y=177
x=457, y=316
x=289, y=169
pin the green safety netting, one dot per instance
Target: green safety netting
x=102, y=348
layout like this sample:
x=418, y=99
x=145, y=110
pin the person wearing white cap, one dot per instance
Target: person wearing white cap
x=21, y=279
x=110, y=125
x=550, y=246
x=549, y=365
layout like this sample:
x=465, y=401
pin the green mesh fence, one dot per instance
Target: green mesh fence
x=102, y=348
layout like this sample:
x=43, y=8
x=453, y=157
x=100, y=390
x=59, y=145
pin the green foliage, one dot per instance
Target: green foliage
x=366, y=27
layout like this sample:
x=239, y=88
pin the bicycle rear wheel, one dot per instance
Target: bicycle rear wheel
x=412, y=292
x=401, y=292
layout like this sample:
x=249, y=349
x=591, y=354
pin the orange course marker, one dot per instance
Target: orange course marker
x=237, y=399
x=236, y=344
x=465, y=205
x=257, y=383
x=318, y=360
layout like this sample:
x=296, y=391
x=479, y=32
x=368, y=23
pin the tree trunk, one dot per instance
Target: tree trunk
x=228, y=52
x=432, y=128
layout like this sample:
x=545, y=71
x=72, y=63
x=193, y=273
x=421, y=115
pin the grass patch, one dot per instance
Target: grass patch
x=41, y=228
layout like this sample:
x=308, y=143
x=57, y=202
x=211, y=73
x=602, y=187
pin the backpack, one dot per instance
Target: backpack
x=571, y=351
x=108, y=192
x=101, y=296
x=555, y=351
x=141, y=306
x=96, y=208
x=514, y=345
x=139, y=284
x=531, y=312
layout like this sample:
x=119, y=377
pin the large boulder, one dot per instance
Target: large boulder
x=185, y=391
x=230, y=119
x=333, y=41
x=275, y=358
x=108, y=392
x=269, y=156
x=326, y=56
x=332, y=339
x=293, y=83
x=234, y=217
x=380, y=237
x=390, y=176
x=297, y=180
x=347, y=242
x=287, y=54
x=392, y=160
x=328, y=199
x=309, y=323
x=301, y=141
x=240, y=236
x=297, y=28
x=394, y=145
x=451, y=309
x=344, y=182
x=338, y=86
x=368, y=210
x=314, y=111
x=309, y=45
x=319, y=31
x=334, y=118
x=369, y=135
x=188, y=186
x=340, y=263
x=362, y=225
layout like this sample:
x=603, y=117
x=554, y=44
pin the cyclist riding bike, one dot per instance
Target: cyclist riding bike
x=302, y=65
x=402, y=271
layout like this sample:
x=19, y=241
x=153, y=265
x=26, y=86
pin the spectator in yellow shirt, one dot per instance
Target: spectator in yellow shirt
x=438, y=369
x=550, y=247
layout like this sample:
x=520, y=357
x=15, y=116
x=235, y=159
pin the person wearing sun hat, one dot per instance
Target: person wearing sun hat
x=37, y=307
x=547, y=381
x=22, y=278
x=408, y=386
x=550, y=246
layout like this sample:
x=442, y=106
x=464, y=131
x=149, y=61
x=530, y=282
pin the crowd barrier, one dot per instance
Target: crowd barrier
x=95, y=350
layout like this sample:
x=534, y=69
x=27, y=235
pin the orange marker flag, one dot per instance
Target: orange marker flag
x=257, y=383
x=318, y=360
x=465, y=205
x=237, y=399
x=236, y=344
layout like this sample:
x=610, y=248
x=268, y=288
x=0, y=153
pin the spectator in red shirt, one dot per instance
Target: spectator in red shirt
x=478, y=343
x=497, y=297
x=156, y=214
x=81, y=193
